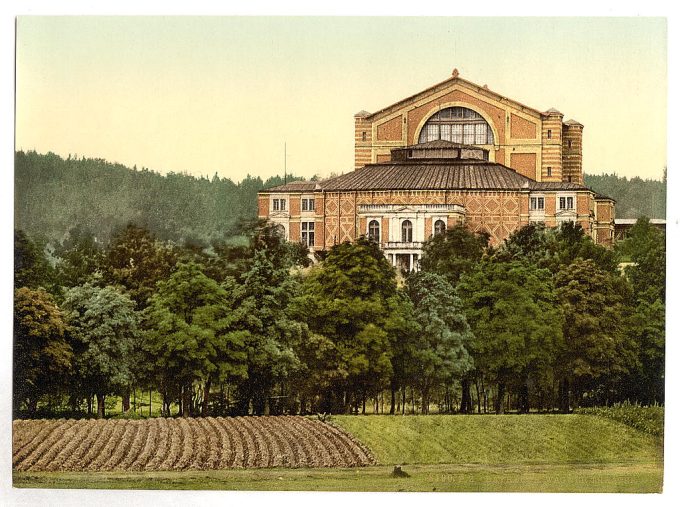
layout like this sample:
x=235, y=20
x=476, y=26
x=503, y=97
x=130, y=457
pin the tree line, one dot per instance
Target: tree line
x=547, y=321
x=52, y=194
x=635, y=197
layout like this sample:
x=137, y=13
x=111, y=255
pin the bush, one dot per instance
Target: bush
x=646, y=419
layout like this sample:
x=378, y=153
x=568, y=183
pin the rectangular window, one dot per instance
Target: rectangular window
x=537, y=203
x=480, y=133
x=275, y=205
x=446, y=132
x=566, y=203
x=549, y=171
x=549, y=134
x=307, y=204
x=468, y=134
x=432, y=132
x=457, y=134
x=283, y=205
x=308, y=233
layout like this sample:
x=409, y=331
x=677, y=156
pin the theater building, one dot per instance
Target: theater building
x=454, y=153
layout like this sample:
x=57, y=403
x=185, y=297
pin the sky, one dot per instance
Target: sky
x=207, y=95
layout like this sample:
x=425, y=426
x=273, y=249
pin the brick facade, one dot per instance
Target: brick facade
x=539, y=155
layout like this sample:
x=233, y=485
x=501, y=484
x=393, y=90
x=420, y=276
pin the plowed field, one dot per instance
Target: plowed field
x=183, y=444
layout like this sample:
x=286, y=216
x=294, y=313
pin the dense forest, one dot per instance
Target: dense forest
x=130, y=296
x=545, y=322
x=635, y=197
x=52, y=195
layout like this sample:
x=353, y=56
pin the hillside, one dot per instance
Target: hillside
x=53, y=195
x=635, y=197
x=507, y=439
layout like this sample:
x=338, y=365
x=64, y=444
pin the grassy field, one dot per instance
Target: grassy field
x=611, y=478
x=512, y=453
x=506, y=439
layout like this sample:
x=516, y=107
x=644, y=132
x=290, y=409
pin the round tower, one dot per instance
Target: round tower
x=572, y=152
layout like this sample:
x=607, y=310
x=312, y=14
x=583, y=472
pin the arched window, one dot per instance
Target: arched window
x=374, y=230
x=439, y=227
x=457, y=124
x=406, y=231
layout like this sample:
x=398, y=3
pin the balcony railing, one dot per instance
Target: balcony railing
x=402, y=245
x=385, y=208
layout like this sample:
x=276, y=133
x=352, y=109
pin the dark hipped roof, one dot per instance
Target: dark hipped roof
x=429, y=174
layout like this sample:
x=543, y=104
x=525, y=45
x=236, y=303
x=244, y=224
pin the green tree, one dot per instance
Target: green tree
x=79, y=258
x=516, y=321
x=453, y=253
x=646, y=247
x=272, y=333
x=104, y=331
x=552, y=248
x=348, y=299
x=137, y=261
x=440, y=353
x=42, y=355
x=191, y=335
x=31, y=268
x=598, y=351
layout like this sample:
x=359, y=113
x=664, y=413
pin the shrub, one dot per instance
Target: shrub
x=646, y=419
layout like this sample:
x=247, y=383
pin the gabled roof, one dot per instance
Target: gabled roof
x=454, y=79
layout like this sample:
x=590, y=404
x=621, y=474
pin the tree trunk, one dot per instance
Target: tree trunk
x=206, y=396
x=524, y=399
x=186, y=401
x=479, y=398
x=466, y=399
x=100, y=406
x=426, y=400
x=89, y=404
x=403, y=400
x=393, y=397
x=126, y=400
x=564, y=396
x=499, y=408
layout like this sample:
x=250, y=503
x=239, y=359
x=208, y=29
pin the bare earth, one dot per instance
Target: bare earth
x=182, y=444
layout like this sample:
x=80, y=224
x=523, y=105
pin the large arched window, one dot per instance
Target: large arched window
x=374, y=230
x=457, y=124
x=406, y=231
x=439, y=227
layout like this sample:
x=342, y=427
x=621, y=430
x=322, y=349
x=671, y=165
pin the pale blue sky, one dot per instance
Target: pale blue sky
x=211, y=94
